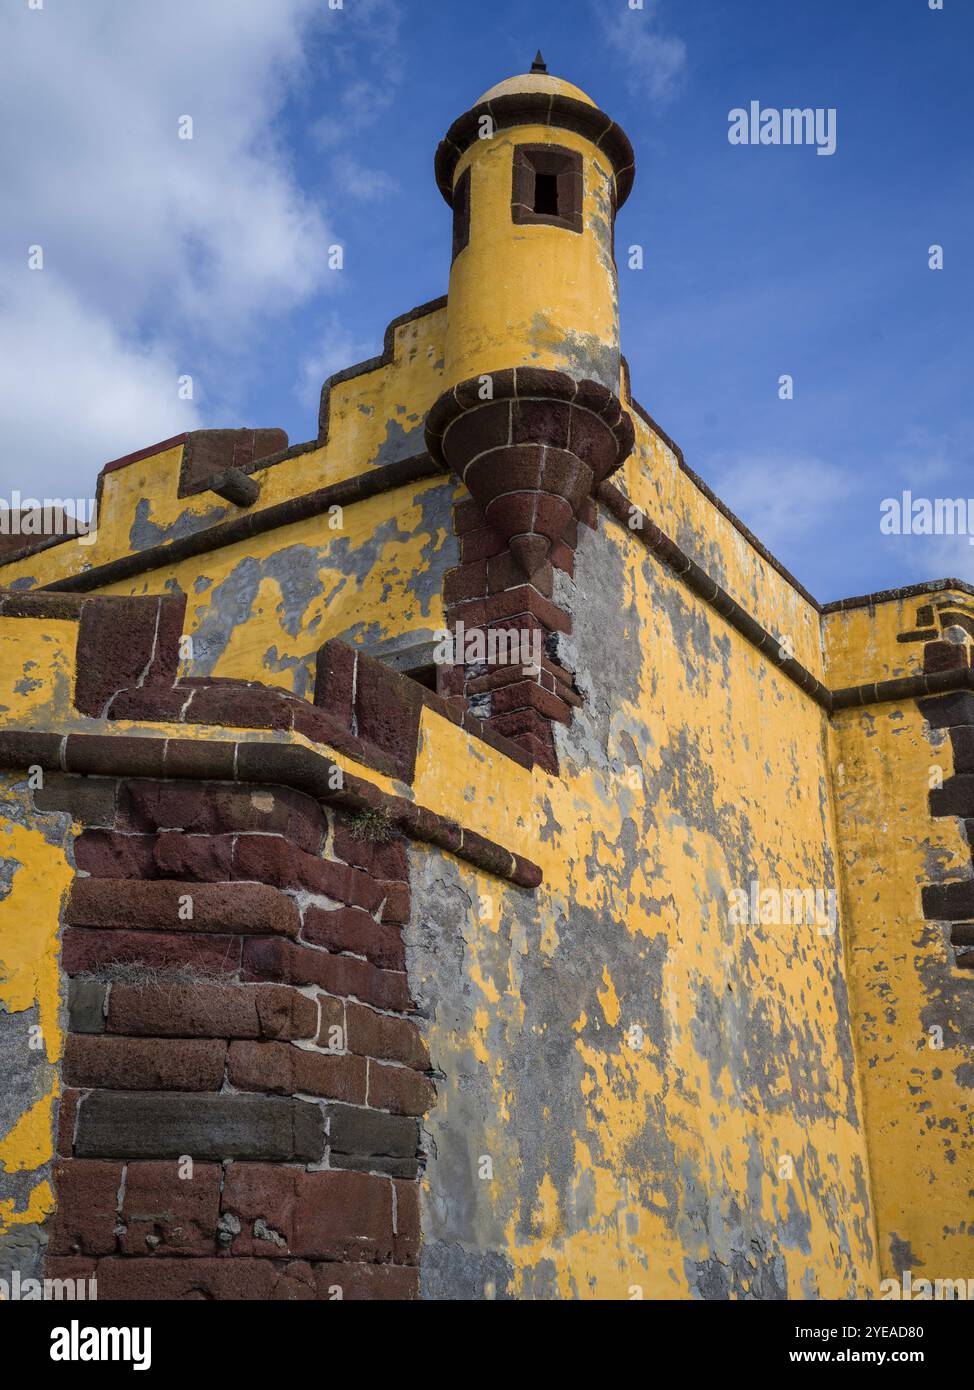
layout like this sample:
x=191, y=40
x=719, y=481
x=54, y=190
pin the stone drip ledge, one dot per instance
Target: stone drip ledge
x=278, y=764
x=699, y=582
x=242, y=527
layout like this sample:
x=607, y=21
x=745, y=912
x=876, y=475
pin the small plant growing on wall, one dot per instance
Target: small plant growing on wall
x=375, y=827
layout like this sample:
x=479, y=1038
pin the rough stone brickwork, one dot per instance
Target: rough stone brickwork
x=951, y=650
x=243, y=1077
x=330, y=968
x=488, y=592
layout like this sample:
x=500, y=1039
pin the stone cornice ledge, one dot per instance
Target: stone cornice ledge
x=264, y=763
x=659, y=544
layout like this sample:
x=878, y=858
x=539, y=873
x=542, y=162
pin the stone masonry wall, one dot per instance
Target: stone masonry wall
x=487, y=591
x=242, y=1077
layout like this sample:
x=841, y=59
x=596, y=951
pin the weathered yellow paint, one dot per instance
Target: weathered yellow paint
x=917, y=1082
x=40, y=1205
x=28, y=1144
x=374, y=418
x=552, y=294
x=29, y=915
x=861, y=643
x=746, y=717
x=37, y=672
x=673, y=1102
x=38, y=875
x=243, y=619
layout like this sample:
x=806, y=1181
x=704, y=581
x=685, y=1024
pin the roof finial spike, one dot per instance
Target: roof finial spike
x=539, y=64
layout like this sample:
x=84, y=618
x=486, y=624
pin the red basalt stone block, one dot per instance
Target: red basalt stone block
x=110, y=954
x=282, y=1069
x=407, y=1239
x=467, y=516
x=340, y=975
x=67, y=1114
x=354, y=930
x=360, y=1282
x=467, y=581
x=335, y=681
x=400, y=1090
x=379, y=1035
x=180, y=906
x=202, y=858
x=254, y=707
x=481, y=544
x=118, y=647
x=344, y=1215
x=221, y=1279
x=168, y=1214
x=396, y=904
x=945, y=656
x=104, y=854
x=330, y=1215
x=530, y=695
x=268, y=859
x=87, y=1200
x=381, y=858
x=211, y=808
x=144, y=1064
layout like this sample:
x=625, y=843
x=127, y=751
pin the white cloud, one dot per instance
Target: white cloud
x=366, y=185
x=654, y=62
x=808, y=511
x=932, y=465
x=336, y=349
x=154, y=247
x=75, y=394
x=94, y=169
x=368, y=29
x=782, y=499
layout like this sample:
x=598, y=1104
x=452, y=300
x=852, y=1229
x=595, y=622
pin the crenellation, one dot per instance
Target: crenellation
x=453, y=857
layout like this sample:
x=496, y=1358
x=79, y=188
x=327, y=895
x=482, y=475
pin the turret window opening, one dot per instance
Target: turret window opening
x=547, y=186
x=461, y=213
x=546, y=193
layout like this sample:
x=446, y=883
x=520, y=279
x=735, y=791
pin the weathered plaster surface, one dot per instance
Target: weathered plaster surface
x=724, y=1155
x=533, y=295
x=35, y=871
x=261, y=609
x=913, y=1009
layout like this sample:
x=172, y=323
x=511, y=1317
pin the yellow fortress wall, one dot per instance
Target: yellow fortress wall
x=724, y=1048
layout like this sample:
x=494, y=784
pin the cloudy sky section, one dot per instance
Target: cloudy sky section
x=314, y=126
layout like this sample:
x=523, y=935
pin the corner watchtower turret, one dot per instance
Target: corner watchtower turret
x=535, y=174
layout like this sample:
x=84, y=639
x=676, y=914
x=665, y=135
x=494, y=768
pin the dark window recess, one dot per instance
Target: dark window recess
x=546, y=193
x=547, y=186
x=417, y=661
x=424, y=675
x=461, y=213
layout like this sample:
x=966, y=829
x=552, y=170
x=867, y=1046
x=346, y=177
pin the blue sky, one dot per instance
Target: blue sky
x=208, y=257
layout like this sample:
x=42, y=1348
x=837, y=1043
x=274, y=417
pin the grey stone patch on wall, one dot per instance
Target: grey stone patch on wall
x=584, y=356
x=733, y=1247
x=455, y=1272
x=441, y=552
x=902, y=1255
x=27, y=1074
x=398, y=443
x=301, y=669
x=22, y=1250
x=751, y=1275
x=230, y=604
x=143, y=533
